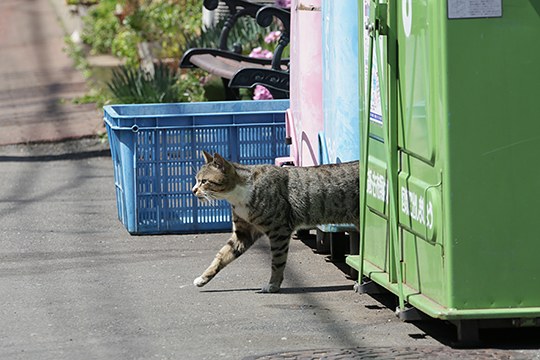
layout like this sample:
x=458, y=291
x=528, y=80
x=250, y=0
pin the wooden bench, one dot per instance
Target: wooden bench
x=240, y=71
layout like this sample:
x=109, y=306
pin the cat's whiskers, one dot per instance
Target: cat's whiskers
x=210, y=197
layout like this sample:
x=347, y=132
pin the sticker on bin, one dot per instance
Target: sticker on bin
x=465, y=9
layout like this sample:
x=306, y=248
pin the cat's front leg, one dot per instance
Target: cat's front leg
x=243, y=236
x=279, y=245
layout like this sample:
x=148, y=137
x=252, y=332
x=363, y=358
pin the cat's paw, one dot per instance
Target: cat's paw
x=200, y=281
x=270, y=288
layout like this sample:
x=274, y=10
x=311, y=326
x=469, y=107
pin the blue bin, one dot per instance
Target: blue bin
x=156, y=152
x=340, y=140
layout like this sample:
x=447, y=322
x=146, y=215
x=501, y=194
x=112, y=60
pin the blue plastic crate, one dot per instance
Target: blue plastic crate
x=156, y=151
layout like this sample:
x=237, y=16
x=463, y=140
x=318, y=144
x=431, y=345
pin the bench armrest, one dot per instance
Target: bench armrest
x=237, y=9
x=185, y=61
x=264, y=18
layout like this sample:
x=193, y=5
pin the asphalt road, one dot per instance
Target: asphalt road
x=75, y=285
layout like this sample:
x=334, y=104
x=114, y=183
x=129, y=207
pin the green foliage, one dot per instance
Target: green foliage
x=175, y=25
x=100, y=27
x=133, y=86
x=82, y=2
x=124, y=46
x=170, y=27
x=246, y=32
x=94, y=95
x=129, y=85
x=160, y=21
x=190, y=88
x=77, y=55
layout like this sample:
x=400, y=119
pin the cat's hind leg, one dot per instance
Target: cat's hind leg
x=243, y=236
x=279, y=245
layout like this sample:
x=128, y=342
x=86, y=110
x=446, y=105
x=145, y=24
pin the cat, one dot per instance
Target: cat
x=274, y=201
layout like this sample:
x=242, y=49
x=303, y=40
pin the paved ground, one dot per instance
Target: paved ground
x=37, y=78
x=76, y=285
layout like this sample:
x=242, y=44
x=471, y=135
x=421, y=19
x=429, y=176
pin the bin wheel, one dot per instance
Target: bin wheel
x=302, y=234
x=467, y=333
x=339, y=246
x=354, y=246
x=323, y=242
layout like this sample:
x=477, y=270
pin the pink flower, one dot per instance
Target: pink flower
x=204, y=79
x=261, y=53
x=272, y=37
x=286, y=4
x=262, y=93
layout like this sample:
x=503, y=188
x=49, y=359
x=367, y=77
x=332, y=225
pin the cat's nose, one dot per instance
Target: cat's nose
x=194, y=189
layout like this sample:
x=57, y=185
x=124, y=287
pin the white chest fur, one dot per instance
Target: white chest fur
x=242, y=211
x=239, y=199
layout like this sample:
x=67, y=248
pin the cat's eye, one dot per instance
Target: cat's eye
x=203, y=181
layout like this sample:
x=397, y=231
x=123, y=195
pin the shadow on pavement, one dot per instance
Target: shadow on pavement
x=67, y=156
x=440, y=330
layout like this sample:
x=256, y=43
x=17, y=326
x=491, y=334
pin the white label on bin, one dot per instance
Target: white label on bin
x=377, y=185
x=466, y=9
x=416, y=207
x=375, y=109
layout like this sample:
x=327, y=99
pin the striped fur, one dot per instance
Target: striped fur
x=275, y=201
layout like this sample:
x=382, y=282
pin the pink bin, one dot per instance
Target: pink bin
x=304, y=119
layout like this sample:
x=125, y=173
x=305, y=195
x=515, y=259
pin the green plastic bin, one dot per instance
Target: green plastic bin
x=451, y=138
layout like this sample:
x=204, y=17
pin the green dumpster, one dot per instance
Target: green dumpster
x=450, y=175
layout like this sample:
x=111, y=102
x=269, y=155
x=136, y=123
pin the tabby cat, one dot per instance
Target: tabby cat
x=274, y=201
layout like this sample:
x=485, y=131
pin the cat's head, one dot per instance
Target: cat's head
x=215, y=178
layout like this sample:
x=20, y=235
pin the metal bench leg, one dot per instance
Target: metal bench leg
x=230, y=93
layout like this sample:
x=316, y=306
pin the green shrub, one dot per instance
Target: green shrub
x=246, y=33
x=100, y=27
x=171, y=27
x=162, y=21
x=133, y=86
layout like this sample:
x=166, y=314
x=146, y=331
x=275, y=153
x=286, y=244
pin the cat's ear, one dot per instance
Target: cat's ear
x=207, y=157
x=220, y=162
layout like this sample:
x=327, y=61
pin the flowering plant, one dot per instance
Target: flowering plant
x=261, y=53
x=262, y=93
x=286, y=4
x=272, y=37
